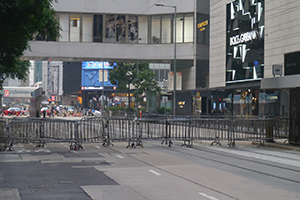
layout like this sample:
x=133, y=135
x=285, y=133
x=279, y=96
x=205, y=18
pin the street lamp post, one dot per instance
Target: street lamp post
x=174, y=89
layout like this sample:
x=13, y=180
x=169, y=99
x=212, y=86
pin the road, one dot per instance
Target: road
x=151, y=173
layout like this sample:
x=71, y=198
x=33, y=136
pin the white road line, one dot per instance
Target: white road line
x=207, y=196
x=119, y=156
x=154, y=172
x=190, y=149
x=98, y=147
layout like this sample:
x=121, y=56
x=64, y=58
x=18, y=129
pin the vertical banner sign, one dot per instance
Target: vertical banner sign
x=178, y=81
x=53, y=98
x=98, y=28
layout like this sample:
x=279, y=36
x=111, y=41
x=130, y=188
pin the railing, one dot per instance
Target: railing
x=107, y=130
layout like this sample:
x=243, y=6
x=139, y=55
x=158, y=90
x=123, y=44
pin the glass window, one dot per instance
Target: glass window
x=188, y=28
x=166, y=29
x=143, y=29
x=98, y=28
x=64, y=24
x=120, y=29
x=74, y=28
x=110, y=28
x=133, y=29
x=87, y=27
x=179, y=29
x=155, y=30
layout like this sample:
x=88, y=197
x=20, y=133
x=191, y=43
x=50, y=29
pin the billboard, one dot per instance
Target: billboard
x=94, y=75
x=245, y=40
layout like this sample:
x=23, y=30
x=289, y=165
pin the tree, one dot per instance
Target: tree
x=19, y=20
x=139, y=75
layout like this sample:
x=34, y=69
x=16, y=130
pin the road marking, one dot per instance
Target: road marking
x=154, y=172
x=207, y=196
x=119, y=156
x=190, y=149
x=98, y=147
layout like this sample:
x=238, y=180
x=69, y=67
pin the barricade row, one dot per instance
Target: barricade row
x=107, y=130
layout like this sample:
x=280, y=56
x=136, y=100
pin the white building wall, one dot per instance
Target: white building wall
x=136, y=7
x=217, y=50
x=282, y=22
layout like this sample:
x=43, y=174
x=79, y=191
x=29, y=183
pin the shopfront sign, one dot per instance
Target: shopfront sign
x=242, y=38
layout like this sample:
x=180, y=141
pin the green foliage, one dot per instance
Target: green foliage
x=19, y=21
x=143, y=109
x=139, y=75
x=161, y=110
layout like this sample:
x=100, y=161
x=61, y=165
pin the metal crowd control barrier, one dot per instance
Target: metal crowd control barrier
x=43, y=130
x=107, y=130
x=5, y=139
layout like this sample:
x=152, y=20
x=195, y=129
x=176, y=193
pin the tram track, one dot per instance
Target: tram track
x=240, y=167
x=193, y=154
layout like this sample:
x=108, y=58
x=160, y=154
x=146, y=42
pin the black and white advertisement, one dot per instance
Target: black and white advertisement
x=132, y=29
x=120, y=29
x=110, y=28
x=245, y=40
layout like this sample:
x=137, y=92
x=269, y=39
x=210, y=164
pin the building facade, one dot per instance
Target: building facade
x=133, y=31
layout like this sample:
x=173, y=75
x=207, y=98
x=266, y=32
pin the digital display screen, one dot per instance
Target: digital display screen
x=95, y=74
x=245, y=40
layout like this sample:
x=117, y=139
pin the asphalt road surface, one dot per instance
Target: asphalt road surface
x=153, y=172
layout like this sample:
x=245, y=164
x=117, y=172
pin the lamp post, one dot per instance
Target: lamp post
x=174, y=89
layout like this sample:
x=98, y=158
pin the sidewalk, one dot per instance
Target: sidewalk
x=277, y=144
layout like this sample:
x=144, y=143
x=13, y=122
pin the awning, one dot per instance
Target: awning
x=291, y=81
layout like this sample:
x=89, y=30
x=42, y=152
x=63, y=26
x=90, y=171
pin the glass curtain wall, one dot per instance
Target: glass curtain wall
x=74, y=28
x=143, y=29
x=128, y=28
x=166, y=29
x=133, y=29
x=188, y=27
x=155, y=29
x=87, y=27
